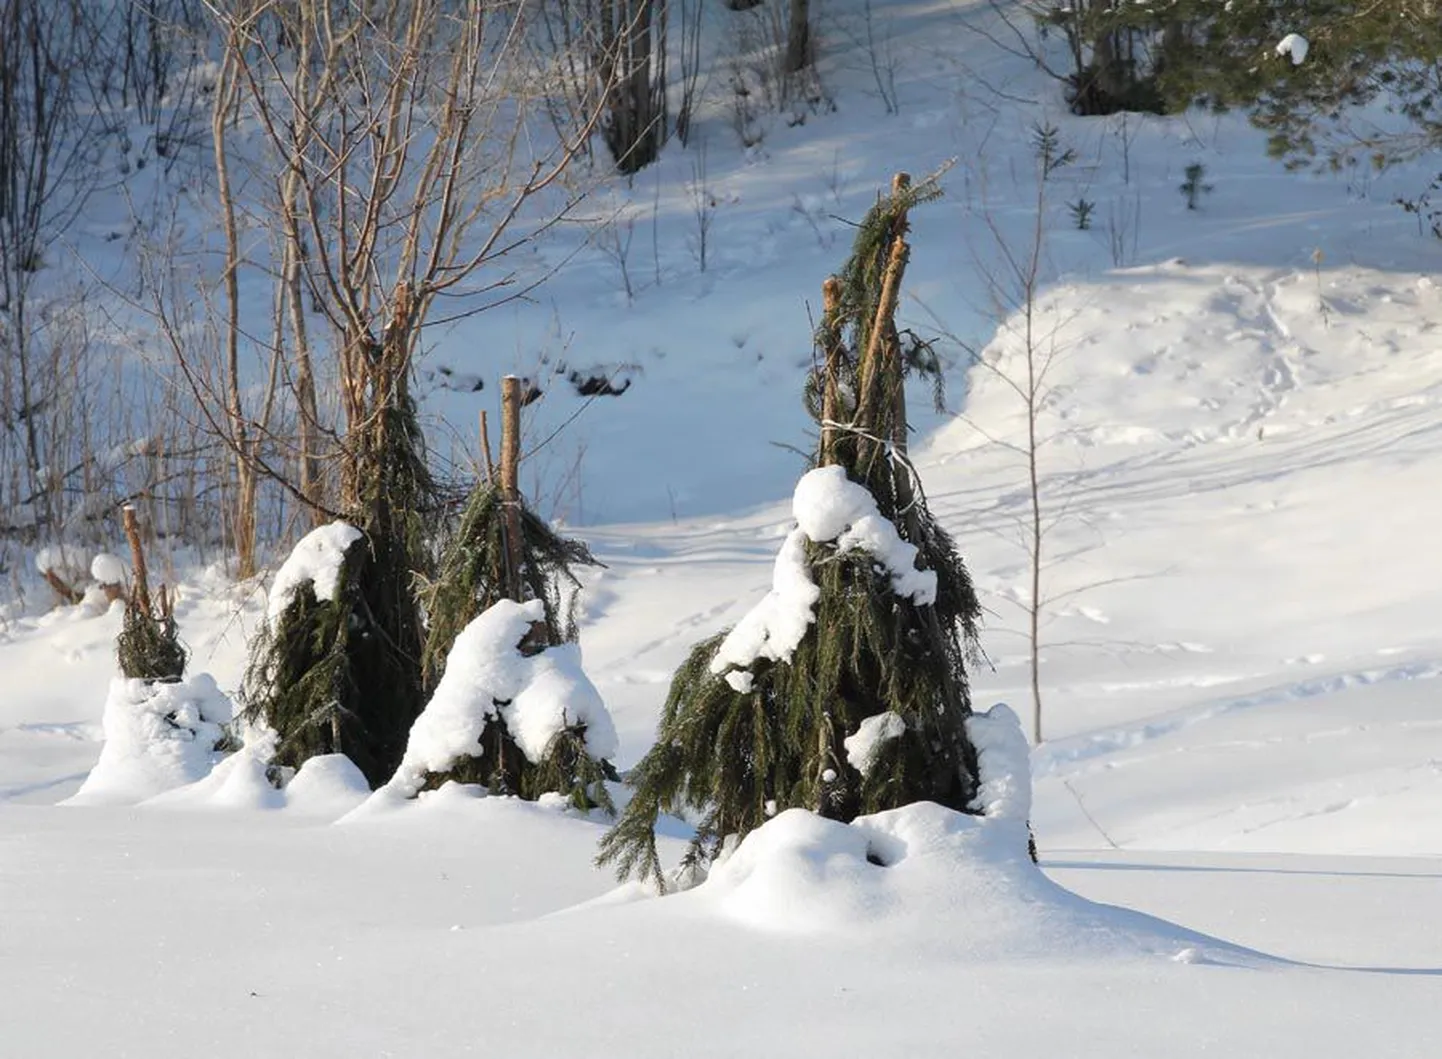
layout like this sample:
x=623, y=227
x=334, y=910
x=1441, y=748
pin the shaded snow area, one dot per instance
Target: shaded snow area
x=486, y=675
x=317, y=559
x=1236, y=802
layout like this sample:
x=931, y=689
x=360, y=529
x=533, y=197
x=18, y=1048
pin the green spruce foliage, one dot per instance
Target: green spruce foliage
x=343, y=676
x=325, y=680
x=472, y=577
x=148, y=647
x=1359, y=52
x=732, y=752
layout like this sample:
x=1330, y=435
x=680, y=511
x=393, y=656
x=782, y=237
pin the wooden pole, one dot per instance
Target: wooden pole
x=882, y=342
x=488, y=463
x=876, y=344
x=140, y=595
x=510, y=482
x=899, y=183
x=831, y=338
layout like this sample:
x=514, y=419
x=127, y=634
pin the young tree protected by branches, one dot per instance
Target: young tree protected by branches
x=502, y=553
x=845, y=690
x=398, y=135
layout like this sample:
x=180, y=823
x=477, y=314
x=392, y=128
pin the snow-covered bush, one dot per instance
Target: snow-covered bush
x=322, y=676
x=520, y=722
x=157, y=737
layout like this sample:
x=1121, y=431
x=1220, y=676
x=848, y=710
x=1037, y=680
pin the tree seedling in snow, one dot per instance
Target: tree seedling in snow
x=1046, y=142
x=1194, y=187
x=1081, y=213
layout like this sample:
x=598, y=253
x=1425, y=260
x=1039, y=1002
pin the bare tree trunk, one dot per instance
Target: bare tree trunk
x=800, y=51
x=244, y=509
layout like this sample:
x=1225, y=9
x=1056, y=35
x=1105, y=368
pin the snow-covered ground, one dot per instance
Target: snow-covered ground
x=1243, y=626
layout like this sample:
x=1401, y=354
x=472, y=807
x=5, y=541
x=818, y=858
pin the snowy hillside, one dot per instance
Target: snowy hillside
x=1241, y=428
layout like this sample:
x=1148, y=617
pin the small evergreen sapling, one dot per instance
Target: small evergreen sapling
x=1081, y=213
x=1194, y=187
x=872, y=615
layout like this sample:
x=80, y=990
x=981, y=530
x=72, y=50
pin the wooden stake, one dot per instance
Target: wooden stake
x=488, y=463
x=140, y=594
x=899, y=183
x=883, y=341
x=831, y=339
x=880, y=326
x=510, y=482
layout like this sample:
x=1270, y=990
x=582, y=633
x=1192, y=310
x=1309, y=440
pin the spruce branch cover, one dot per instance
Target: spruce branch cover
x=337, y=667
x=323, y=674
x=473, y=575
x=872, y=612
x=502, y=557
x=148, y=647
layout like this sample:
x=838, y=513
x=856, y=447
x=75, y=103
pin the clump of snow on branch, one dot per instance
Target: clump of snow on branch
x=1295, y=45
x=537, y=696
x=829, y=508
x=107, y=569
x=318, y=558
x=871, y=735
x=68, y=564
x=774, y=627
x=1004, y=763
x=157, y=737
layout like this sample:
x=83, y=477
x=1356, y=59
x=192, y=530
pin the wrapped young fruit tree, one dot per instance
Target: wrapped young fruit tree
x=324, y=678
x=511, y=708
x=335, y=668
x=844, y=691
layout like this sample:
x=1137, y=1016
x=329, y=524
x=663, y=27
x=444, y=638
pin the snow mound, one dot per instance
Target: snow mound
x=317, y=559
x=330, y=785
x=1004, y=761
x=871, y=735
x=1296, y=46
x=829, y=506
x=924, y=876
x=486, y=675
x=66, y=563
x=157, y=737
x=773, y=628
